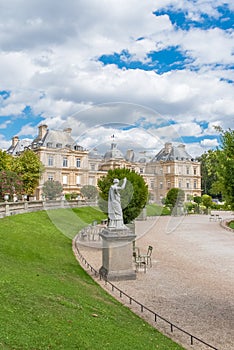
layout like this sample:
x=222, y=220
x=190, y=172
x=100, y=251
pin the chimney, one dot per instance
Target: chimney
x=130, y=155
x=14, y=140
x=168, y=147
x=42, y=131
x=68, y=130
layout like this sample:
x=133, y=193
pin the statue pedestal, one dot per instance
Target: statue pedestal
x=117, y=250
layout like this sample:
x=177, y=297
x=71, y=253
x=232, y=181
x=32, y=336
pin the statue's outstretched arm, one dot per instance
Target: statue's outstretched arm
x=124, y=183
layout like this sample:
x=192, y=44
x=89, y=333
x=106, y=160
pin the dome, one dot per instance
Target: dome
x=114, y=152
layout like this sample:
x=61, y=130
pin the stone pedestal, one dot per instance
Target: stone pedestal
x=117, y=254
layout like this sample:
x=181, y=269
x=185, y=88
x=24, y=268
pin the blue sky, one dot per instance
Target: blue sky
x=148, y=72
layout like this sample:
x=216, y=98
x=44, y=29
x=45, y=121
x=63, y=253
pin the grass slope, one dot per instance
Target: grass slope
x=49, y=302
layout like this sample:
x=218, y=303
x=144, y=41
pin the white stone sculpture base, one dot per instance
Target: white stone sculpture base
x=117, y=257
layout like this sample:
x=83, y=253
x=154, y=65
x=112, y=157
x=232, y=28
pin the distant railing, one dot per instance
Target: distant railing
x=132, y=300
x=12, y=208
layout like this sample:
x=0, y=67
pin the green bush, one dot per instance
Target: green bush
x=133, y=197
x=231, y=224
x=157, y=210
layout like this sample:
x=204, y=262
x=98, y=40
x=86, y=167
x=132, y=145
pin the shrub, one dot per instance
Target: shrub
x=52, y=189
x=133, y=197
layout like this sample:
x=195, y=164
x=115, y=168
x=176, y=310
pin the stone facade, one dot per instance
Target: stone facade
x=73, y=166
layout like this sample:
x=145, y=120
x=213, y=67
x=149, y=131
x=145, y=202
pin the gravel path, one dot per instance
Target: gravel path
x=191, y=282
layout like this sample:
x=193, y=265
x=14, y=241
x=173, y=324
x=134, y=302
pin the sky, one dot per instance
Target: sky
x=147, y=72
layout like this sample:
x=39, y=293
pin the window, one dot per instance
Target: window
x=161, y=185
x=168, y=169
x=161, y=170
x=92, y=166
x=78, y=179
x=58, y=145
x=194, y=171
x=92, y=181
x=78, y=162
x=195, y=184
x=49, y=144
x=50, y=177
x=152, y=184
x=187, y=170
x=64, y=161
x=50, y=160
x=64, y=179
x=180, y=184
x=141, y=170
x=168, y=184
x=78, y=148
x=187, y=184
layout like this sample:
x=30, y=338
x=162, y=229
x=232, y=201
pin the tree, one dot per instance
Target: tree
x=52, y=189
x=175, y=197
x=207, y=200
x=198, y=201
x=6, y=161
x=133, y=197
x=89, y=191
x=10, y=183
x=30, y=168
x=226, y=165
x=209, y=172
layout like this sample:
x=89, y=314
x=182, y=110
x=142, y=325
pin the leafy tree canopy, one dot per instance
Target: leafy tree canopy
x=225, y=168
x=197, y=199
x=52, y=189
x=30, y=168
x=6, y=161
x=175, y=197
x=209, y=165
x=133, y=197
x=89, y=191
x=10, y=183
x=207, y=200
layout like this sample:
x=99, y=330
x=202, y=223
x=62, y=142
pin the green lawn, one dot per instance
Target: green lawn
x=156, y=210
x=231, y=224
x=49, y=302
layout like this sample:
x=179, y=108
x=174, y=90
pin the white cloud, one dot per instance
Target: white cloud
x=5, y=124
x=208, y=46
x=209, y=143
x=194, y=8
x=49, y=61
x=4, y=144
x=12, y=109
x=195, y=149
x=28, y=129
x=139, y=140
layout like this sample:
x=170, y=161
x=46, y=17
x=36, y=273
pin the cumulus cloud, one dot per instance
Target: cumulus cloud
x=49, y=60
x=209, y=143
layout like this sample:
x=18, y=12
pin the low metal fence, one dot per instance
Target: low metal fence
x=142, y=307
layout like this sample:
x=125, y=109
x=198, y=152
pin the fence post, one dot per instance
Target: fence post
x=7, y=209
x=26, y=206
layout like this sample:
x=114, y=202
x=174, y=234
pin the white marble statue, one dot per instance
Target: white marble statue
x=115, y=213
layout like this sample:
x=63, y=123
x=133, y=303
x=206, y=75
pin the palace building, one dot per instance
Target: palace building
x=73, y=166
